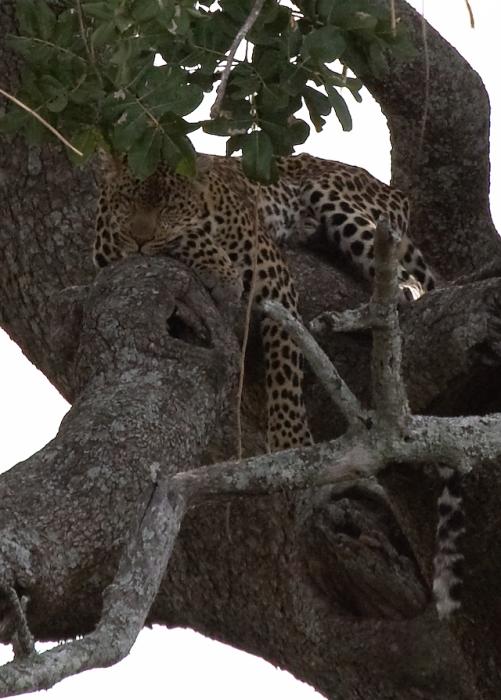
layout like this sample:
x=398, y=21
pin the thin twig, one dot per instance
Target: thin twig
x=247, y=321
x=393, y=18
x=471, y=15
x=42, y=121
x=338, y=390
x=242, y=32
x=90, y=53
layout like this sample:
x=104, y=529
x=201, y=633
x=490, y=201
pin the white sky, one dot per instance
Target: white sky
x=180, y=664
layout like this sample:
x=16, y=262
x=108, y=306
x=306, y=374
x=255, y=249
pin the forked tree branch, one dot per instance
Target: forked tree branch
x=126, y=604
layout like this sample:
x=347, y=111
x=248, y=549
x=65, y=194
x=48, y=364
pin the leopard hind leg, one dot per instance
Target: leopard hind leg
x=350, y=232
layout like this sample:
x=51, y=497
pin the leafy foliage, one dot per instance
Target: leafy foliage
x=92, y=70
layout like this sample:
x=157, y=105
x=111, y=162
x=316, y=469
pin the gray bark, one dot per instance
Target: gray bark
x=334, y=587
x=438, y=115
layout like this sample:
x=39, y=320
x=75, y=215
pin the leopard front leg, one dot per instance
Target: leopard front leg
x=287, y=419
x=286, y=410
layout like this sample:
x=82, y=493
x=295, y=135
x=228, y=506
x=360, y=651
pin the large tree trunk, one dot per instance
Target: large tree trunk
x=334, y=587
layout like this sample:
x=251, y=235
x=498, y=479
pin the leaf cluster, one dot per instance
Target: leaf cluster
x=127, y=74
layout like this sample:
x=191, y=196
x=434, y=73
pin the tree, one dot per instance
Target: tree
x=341, y=579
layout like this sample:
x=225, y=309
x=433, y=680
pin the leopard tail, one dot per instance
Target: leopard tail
x=448, y=562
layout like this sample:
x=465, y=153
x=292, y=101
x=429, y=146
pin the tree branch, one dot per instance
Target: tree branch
x=126, y=604
x=338, y=390
x=242, y=32
x=388, y=390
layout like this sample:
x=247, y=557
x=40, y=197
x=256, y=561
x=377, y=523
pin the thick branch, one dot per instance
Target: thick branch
x=458, y=441
x=442, y=163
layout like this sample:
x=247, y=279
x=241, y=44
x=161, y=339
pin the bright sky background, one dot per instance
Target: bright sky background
x=180, y=664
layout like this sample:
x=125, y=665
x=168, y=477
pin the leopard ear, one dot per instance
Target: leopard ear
x=109, y=165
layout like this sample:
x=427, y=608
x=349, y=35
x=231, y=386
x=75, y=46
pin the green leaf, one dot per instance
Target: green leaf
x=271, y=98
x=317, y=104
x=14, y=120
x=144, y=156
x=103, y=34
x=144, y=10
x=180, y=99
x=67, y=29
x=324, y=45
x=243, y=81
x=46, y=19
x=360, y=20
x=238, y=10
x=353, y=14
x=88, y=91
x=234, y=143
x=226, y=127
x=36, y=133
x=86, y=141
x=340, y=107
x=99, y=10
x=285, y=136
x=257, y=157
x=27, y=18
x=179, y=154
x=35, y=18
x=58, y=102
x=294, y=79
x=123, y=22
x=299, y=131
x=130, y=127
x=176, y=22
x=164, y=89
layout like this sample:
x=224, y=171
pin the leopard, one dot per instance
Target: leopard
x=209, y=222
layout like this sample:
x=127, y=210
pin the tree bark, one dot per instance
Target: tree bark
x=439, y=116
x=333, y=586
